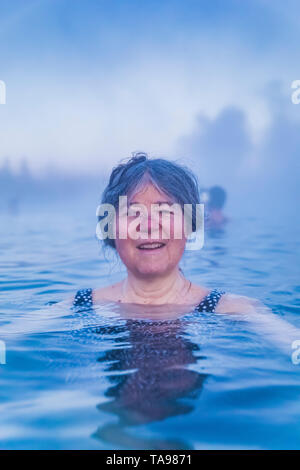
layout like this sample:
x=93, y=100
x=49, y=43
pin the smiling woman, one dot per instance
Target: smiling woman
x=151, y=244
x=150, y=248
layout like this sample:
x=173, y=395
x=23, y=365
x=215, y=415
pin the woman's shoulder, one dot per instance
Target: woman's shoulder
x=233, y=303
x=226, y=302
x=111, y=293
x=89, y=296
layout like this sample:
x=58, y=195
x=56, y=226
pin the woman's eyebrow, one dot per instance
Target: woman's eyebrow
x=156, y=202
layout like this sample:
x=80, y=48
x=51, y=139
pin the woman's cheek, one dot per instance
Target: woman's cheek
x=176, y=227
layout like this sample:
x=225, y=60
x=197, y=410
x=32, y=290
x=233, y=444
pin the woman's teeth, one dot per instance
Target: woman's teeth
x=150, y=246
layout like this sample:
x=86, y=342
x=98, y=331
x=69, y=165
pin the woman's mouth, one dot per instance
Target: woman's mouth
x=151, y=246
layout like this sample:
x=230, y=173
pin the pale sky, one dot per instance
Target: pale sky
x=88, y=82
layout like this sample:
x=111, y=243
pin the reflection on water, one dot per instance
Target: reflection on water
x=149, y=379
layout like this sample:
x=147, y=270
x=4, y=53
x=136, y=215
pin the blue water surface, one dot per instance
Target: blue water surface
x=98, y=380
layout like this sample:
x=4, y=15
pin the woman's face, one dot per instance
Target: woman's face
x=150, y=240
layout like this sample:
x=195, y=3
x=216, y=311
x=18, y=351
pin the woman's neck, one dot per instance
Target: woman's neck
x=154, y=290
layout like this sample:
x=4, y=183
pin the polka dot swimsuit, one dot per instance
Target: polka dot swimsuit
x=84, y=298
x=209, y=303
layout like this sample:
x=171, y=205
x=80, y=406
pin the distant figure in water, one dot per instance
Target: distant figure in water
x=214, y=200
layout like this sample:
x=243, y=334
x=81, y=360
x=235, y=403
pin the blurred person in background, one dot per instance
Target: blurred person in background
x=214, y=199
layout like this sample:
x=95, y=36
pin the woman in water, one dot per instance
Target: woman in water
x=152, y=260
x=151, y=256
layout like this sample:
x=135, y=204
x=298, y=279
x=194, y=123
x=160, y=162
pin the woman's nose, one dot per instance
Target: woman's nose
x=149, y=223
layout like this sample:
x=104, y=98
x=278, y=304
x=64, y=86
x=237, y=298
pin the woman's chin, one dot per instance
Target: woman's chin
x=151, y=270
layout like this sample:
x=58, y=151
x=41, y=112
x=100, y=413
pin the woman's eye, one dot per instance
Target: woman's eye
x=168, y=210
x=135, y=210
x=165, y=209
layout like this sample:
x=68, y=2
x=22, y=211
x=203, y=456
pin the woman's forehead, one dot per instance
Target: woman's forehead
x=149, y=192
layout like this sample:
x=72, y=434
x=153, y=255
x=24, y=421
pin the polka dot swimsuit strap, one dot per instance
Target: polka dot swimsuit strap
x=209, y=303
x=83, y=298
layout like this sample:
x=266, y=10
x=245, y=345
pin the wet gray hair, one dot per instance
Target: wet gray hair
x=172, y=178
